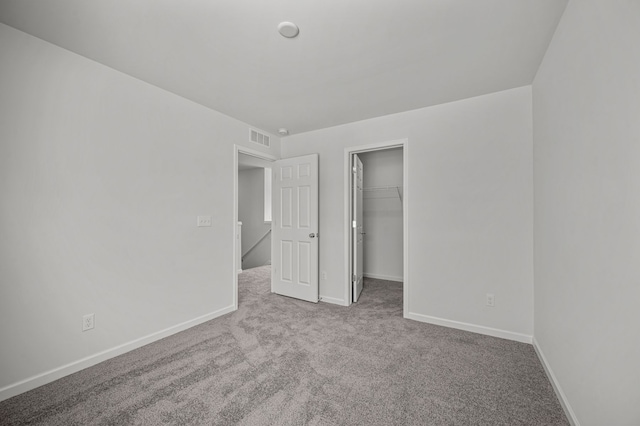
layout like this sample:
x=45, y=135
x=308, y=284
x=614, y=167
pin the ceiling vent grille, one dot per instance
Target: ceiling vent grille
x=259, y=138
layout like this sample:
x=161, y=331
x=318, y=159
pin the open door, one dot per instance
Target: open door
x=295, y=228
x=357, y=228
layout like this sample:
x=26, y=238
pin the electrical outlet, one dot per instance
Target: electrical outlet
x=88, y=322
x=491, y=300
x=324, y=275
x=204, y=220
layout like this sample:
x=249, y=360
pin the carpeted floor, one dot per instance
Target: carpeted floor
x=280, y=361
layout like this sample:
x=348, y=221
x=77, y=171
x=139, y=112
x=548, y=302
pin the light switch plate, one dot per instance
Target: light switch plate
x=204, y=220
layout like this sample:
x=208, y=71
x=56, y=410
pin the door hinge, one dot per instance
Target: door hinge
x=355, y=170
x=353, y=224
x=354, y=278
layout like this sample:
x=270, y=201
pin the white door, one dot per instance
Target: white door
x=357, y=228
x=295, y=228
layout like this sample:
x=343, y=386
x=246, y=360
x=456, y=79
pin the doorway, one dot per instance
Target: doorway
x=252, y=211
x=293, y=228
x=376, y=225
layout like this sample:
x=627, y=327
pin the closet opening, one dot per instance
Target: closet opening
x=376, y=225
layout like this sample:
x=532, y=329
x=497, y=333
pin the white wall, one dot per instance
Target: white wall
x=470, y=207
x=383, y=216
x=101, y=179
x=587, y=210
x=251, y=214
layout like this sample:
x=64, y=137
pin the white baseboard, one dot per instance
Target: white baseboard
x=333, y=300
x=573, y=419
x=503, y=334
x=383, y=277
x=73, y=367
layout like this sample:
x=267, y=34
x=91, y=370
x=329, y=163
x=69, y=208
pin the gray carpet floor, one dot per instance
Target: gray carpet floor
x=280, y=361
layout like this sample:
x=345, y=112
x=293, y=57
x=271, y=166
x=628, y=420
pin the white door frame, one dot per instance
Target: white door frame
x=348, y=179
x=357, y=231
x=237, y=150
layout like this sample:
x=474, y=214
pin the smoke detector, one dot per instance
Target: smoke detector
x=283, y=132
x=288, y=29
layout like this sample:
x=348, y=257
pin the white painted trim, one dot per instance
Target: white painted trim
x=237, y=150
x=73, y=367
x=480, y=329
x=377, y=146
x=332, y=300
x=255, y=153
x=234, y=244
x=405, y=224
x=383, y=277
x=348, y=179
x=568, y=411
x=348, y=151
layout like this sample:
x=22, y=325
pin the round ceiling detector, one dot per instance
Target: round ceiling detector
x=288, y=29
x=283, y=132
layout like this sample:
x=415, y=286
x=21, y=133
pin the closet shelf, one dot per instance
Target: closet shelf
x=383, y=192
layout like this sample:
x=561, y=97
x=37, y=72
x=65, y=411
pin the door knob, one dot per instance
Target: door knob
x=312, y=235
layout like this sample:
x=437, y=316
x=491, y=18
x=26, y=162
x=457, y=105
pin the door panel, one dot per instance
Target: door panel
x=304, y=260
x=286, y=206
x=295, y=228
x=304, y=201
x=286, y=268
x=358, y=229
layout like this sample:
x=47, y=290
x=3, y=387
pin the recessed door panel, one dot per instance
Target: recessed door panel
x=304, y=206
x=304, y=263
x=286, y=173
x=286, y=207
x=304, y=170
x=286, y=260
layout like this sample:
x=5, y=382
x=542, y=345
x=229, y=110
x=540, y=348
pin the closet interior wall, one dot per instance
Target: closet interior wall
x=383, y=254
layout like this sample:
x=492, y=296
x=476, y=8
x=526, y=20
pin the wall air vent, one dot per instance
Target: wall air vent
x=260, y=138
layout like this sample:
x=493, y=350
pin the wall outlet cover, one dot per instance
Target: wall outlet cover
x=88, y=322
x=491, y=301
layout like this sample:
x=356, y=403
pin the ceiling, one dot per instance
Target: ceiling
x=353, y=59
